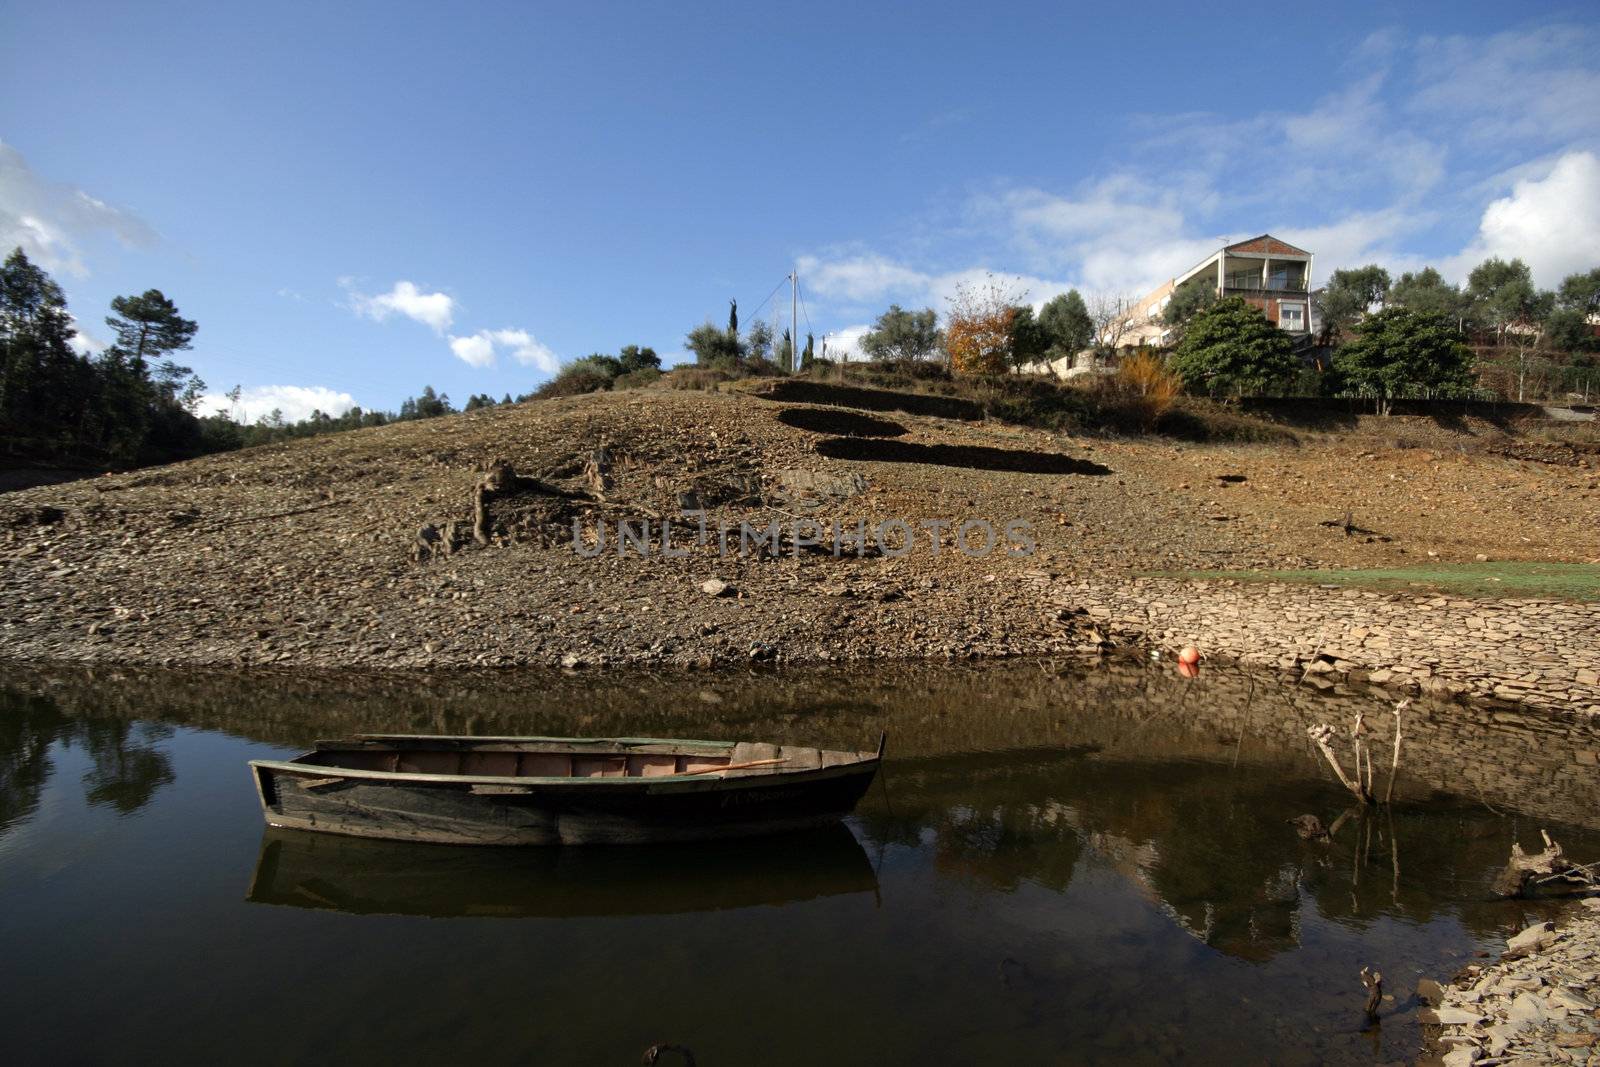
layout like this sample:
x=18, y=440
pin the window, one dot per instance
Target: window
x=1291, y=316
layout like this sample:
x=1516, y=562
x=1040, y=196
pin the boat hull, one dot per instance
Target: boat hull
x=603, y=811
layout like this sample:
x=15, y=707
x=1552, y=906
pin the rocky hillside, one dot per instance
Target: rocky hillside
x=449, y=542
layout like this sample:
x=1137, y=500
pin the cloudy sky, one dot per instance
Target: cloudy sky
x=358, y=200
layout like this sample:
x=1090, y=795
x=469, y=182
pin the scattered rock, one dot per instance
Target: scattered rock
x=1532, y=939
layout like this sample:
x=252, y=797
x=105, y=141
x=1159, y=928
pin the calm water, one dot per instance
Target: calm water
x=1058, y=866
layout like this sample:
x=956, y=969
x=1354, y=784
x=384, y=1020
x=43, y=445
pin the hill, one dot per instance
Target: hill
x=308, y=553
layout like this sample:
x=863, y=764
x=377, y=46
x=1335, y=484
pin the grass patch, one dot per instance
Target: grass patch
x=1566, y=581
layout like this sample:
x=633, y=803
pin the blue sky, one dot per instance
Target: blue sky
x=355, y=200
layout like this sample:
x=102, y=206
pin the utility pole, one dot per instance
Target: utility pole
x=794, y=324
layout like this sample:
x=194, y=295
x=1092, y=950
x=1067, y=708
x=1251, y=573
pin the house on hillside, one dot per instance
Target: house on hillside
x=1273, y=275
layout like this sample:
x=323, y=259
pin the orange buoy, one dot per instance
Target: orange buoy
x=1189, y=655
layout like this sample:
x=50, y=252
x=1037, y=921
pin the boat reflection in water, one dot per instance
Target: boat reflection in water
x=370, y=877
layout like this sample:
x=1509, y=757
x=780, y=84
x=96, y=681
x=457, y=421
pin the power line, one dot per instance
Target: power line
x=757, y=312
x=803, y=309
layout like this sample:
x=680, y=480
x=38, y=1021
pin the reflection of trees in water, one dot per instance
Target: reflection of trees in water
x=1514, y=762
x=1186, y=788
x=127, y=771
x=127, y=768
x=1208, y=844
x=28, y=727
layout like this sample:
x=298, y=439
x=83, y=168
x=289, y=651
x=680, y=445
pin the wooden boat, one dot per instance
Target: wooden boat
x=361, y=876
x=558, y=790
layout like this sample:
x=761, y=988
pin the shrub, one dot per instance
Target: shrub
x=707, y=378
x=637, y=379
x=1147, y=387
x=574, y=379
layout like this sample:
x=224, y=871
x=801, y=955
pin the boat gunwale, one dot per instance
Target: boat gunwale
x=513, y=739
x=755, y=777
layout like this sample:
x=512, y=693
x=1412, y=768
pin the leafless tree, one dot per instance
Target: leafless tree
x=1112, y=314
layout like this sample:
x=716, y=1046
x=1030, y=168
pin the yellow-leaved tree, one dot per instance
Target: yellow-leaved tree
x=978, y=332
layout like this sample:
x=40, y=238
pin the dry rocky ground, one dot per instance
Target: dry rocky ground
x=308, y=553
x=1539, y=1004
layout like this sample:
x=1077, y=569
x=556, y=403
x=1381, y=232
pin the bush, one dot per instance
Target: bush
x=1147, y=388
x=574, y=379
x=637, y=379
x=707, y=378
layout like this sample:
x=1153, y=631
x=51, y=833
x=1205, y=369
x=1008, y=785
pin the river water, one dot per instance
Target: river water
x=1058, y=865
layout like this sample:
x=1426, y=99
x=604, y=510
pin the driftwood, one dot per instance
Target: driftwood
x=1322, y=736
x=1372, y=981
x=1394, y=768
x=1310, y=828
x=1549, y=871
x=1361, y=784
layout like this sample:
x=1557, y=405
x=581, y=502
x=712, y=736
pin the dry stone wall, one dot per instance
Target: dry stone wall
x=1540, y=653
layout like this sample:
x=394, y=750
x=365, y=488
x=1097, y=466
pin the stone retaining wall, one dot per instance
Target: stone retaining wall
x=1542, y=653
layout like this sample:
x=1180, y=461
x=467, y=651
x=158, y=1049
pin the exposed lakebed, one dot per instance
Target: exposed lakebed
x=1060, y=864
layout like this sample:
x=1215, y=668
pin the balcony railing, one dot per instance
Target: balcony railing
x=1273, y=283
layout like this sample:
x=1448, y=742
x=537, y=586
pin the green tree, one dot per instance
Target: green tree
x=785, y=356
x=1230, y=349
x=809, y=352
x=633, y=358
x=903, y=335
x=1398, y=352
x=149, y=327
x=715, y=348
x=1350, y=295
x=1502, y=296
x=1187, y=301
x=758, y=341
x=1568, y=330
x=42, y=380
x=1581, y=292
x=1067, y=325
x=1427, y=293
x=1029, y=339
x=429, y=405
x=733, y=319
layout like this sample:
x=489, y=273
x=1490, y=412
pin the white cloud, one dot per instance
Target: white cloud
x=844, y=344
x=873, y=280
x=479, y=349
x=1513, y=87
x=1385, y=168
x=83, y=342
x=434, y=310
x=475, y=350
x=47, y=219
x=296, y=402
x=861, y=278
x=1551, y=223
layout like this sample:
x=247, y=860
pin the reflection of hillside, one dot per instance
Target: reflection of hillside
x=1209, y=845
x=1012, y=773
